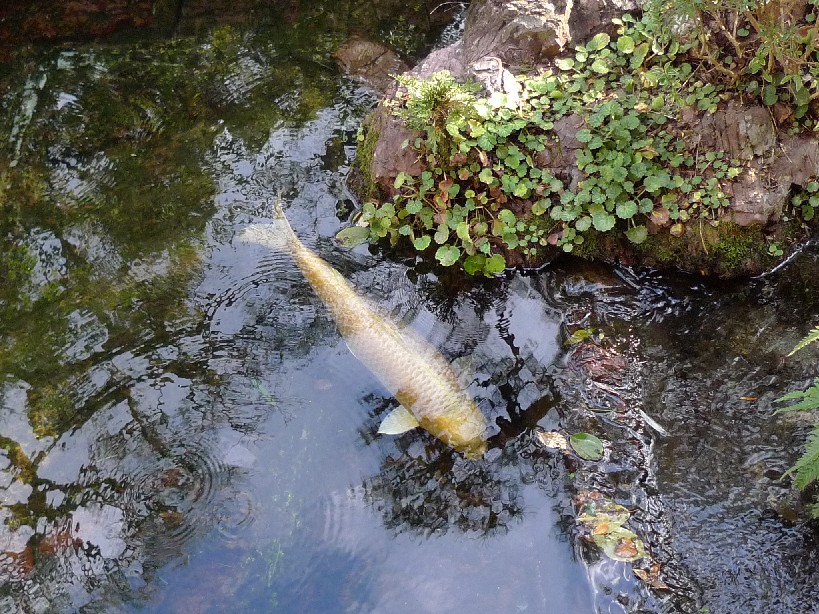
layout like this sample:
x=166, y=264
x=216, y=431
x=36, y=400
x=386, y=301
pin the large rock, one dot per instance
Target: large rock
x=370, y=62
x=741, y=131
x=756, y=201
x=519, y=32
x=798, y=160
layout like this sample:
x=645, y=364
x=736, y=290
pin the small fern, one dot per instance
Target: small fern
x=806, y=469
x=811, y=337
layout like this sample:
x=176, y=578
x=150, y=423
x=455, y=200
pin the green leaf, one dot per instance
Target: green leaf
x=495, y=264
x=584, y=136
x=601, y=67
x=770, y=95
x=811, y=337
x=626, y=210
x=640, y=53
x=400, y=179
x=583, y=224
x=598, y=41
x=474, y=264
x=442, y=234
x=486, y=175
x=507, y=217
x=637, y=235
x=414, y=206
x=540, y=207
x=564, y=63
x=586, y=446
x=353, y=236
x=602, y=219
x=580, y=335
x=521, y=190
x=652, y=183
x=448, y=255
x=625, y=44
x=807, y=467
x=463, y=232
x=421, y=243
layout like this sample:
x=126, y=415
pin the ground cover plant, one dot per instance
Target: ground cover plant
x=488, y=196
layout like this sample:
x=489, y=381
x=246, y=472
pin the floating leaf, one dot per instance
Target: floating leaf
x=651, y=577
x=587, y=446
x=353, y=236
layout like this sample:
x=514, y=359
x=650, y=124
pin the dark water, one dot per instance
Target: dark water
x=183, y=430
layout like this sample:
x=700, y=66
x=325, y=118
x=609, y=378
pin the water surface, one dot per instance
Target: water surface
x=183, y=429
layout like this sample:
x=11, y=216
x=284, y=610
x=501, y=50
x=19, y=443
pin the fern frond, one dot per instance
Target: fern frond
x=808, y=399
x=811, y=337
x=807, y=467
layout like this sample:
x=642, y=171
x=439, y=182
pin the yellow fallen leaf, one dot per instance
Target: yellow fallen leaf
x=554, y=440
x=601, y=528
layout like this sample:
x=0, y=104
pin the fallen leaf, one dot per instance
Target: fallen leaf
x=626, y=549
x=748, y=398
x=552, y=439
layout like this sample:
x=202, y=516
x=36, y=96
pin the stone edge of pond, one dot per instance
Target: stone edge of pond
x=751, y=237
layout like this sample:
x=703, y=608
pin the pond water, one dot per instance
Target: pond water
x=183, y=429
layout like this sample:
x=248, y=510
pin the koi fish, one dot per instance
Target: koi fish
x=415, y=373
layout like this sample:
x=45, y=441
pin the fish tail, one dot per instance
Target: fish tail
x=277, y=235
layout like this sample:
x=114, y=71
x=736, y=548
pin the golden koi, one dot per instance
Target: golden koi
x=416, y=374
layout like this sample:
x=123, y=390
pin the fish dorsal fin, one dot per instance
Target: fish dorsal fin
x=398, y=421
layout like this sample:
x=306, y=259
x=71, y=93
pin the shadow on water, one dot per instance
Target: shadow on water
x=182, y=428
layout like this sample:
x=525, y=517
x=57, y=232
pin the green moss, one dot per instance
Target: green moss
x=739, y=248
x=363, y=182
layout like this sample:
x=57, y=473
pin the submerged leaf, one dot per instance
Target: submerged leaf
x=552, y=439
x=580, y=335
x=620, y=544
x=353, y=236
x=587, y=446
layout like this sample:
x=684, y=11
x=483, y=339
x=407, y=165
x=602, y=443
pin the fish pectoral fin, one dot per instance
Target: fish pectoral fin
x=398, y=421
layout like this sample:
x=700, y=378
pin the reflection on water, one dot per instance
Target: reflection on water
x=182, y=428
